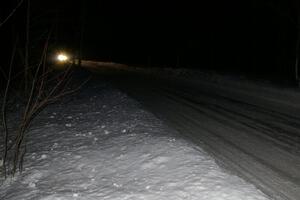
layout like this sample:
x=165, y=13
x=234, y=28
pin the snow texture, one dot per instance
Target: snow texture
x=103, y=145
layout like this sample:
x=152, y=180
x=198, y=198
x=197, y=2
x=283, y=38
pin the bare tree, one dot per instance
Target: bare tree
x=297, y=6
x=46, y=87
x=27, y=42
x=4, y=110
x=43, y=86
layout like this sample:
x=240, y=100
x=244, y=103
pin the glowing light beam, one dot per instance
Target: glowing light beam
x=62, y=58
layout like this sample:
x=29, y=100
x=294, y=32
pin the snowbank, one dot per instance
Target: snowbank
x=103, y=145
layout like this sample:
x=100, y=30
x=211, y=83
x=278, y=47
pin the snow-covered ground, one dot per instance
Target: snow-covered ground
x=104, y=145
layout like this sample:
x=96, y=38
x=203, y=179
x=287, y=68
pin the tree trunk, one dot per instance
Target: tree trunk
x=26, y=64
x=297, y=4
x=297, y=57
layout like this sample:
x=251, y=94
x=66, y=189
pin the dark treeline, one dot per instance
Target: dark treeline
x=57, y=20
x=253, y=37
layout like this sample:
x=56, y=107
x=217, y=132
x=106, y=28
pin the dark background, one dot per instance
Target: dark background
x=257, y=38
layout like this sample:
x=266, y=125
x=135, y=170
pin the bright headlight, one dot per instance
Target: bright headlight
x=62, y=57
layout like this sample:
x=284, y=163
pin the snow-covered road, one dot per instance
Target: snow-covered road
x=252, y=130
x=101, y=144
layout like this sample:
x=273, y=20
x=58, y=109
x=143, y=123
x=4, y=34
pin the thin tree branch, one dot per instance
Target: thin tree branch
x=4, y=106
x=11, y=14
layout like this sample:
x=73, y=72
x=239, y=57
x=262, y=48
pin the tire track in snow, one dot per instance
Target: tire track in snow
x=237, y=139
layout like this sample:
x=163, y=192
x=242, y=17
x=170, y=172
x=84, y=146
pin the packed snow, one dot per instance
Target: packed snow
x=102, y=144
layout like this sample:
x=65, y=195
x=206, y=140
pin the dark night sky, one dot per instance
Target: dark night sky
x=241, y=36
x=253, y=37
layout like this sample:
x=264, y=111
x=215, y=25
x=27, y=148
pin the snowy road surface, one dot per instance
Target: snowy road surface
x=253, y=130
x=101, y=144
